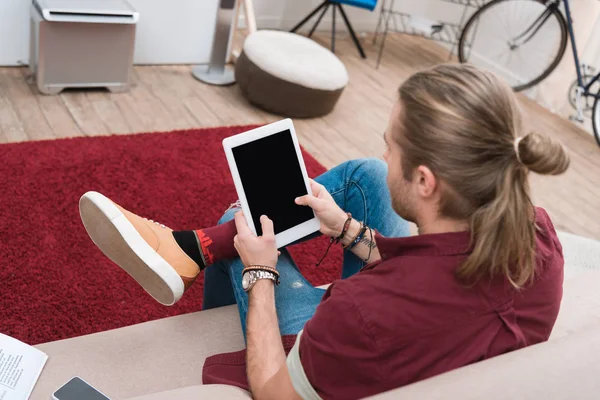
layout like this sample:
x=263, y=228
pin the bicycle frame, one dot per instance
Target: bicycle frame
x=585, y=87
x=551, y=6
x=537, y=24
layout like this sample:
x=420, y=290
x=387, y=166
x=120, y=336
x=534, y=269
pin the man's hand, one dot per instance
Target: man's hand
x=332, y=222
x=252, y=249
x=331, y=215
x=267, y=372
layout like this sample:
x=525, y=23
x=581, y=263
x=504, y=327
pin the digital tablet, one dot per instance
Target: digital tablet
x=269, y=173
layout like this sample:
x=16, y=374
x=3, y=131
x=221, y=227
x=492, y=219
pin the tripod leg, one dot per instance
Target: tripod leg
x=352, y=33
x=316, y=10
x=318, y=20
x=333, y=31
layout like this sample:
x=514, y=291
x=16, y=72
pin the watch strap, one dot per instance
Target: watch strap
x=261, y=268
x=259, y=274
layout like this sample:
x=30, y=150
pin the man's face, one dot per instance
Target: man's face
x=403, y=192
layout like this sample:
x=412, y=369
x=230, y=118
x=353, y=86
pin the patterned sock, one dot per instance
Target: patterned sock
x=209, y=245
x=216, y=242
x=189, y=244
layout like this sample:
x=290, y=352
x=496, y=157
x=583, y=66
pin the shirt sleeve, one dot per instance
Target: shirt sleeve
x=337, y=350
x=297, y=375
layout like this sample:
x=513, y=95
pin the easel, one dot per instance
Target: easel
x=250, y=18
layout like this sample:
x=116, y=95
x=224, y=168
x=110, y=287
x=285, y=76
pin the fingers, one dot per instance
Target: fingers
x=307, y=200
x=241, y=224
x=315, y=187
x=314, y=200
x=267, y=227
x=302, y=200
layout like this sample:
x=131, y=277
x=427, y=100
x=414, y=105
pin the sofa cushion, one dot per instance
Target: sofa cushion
x=145, y=358
x=581, y=254
x=580, y=306
x=198, y=393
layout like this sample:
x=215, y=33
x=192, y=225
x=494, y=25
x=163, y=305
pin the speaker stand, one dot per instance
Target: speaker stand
x=217, y=72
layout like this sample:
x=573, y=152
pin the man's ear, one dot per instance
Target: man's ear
x=426, y=181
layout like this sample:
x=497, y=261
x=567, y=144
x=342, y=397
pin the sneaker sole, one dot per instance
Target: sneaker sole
x=118, y=239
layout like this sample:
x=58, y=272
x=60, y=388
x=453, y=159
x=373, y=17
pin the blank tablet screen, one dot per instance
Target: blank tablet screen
x=272, y=179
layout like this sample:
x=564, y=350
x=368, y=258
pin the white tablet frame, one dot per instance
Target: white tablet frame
x=292, y=234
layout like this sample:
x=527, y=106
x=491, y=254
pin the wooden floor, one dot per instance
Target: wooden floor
x=167, y=97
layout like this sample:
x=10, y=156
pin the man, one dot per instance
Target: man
x=483, y=277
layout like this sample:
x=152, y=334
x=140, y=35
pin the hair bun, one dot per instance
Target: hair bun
x=542, y=154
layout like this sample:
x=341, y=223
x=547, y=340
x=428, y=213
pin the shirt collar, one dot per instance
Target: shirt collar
x=438, y=244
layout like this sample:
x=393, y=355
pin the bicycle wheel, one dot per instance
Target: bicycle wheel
x=496, y=38
x=596, y=120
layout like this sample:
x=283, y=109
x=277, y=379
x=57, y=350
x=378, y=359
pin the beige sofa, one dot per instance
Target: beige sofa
x=163, y=359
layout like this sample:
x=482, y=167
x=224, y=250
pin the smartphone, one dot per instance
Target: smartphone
x=78, y=389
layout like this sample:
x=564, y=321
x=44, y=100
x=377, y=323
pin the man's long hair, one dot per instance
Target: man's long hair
x=464, y=124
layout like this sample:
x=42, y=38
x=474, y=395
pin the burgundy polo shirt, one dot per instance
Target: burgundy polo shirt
x=407, y=317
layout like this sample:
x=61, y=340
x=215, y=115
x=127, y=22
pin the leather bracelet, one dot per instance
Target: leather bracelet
x=336, y=240
x=358, y=238
x=344, y=228
x=361, y=230
x=257, y=267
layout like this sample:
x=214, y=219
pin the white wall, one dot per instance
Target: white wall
x=177, y=31
x=181, y=31
x=14, y=32
x=287, y=13
x=173, y=32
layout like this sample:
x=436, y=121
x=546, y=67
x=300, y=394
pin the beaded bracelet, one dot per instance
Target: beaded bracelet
x=256, y=267
x=344, y=228
x=355, y=237
x=358, y=238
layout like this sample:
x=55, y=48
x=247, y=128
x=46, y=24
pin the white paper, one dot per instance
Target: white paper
x=20, y=368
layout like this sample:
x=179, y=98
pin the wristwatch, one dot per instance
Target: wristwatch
x=251, y=277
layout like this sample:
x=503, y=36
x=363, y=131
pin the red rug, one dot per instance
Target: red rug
x=54, y=282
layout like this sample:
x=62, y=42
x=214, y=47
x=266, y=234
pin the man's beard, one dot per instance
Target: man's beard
x=402, y=202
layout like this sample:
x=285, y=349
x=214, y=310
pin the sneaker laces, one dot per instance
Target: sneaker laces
x=155, y=222
x=237, y=204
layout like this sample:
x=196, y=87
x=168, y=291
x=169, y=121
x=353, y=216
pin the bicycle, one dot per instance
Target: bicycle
x=532, y=38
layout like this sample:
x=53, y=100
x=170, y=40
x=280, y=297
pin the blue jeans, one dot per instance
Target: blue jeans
x=358, y=187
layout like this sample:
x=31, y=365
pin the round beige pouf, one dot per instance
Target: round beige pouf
x=289, y=74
